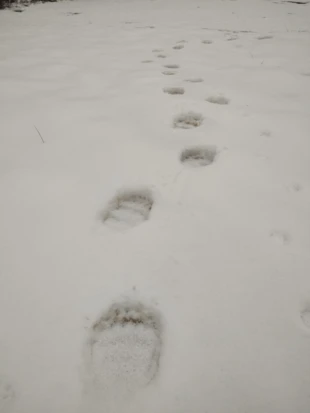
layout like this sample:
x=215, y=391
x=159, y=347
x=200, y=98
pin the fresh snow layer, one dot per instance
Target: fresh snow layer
x=98, y=206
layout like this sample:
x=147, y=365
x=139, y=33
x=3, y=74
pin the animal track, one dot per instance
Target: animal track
x=178, y=47
x=207, y=41
x=123, y=350
x=174, y=90
x=161, y=56
x=7, y=395
x=168, y=72
x=219, y=100
x=188, y=120
x=264, y=37
x=172, y=66
x=194, y=80
x=128, y=208
x=198, y=155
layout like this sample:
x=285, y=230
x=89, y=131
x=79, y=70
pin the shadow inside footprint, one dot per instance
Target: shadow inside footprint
x=128, y=208
x=174, y=90
x=198, y=155
x=188, y=120
x=218, y=100
x=123, y=350
x=172, y=66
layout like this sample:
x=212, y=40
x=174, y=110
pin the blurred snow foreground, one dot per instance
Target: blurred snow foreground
x=154, y=179
x=17, y=3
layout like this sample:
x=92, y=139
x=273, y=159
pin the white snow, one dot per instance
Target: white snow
x=224, y=254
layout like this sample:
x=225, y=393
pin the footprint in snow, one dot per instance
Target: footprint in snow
x=128, y=208
x=157, y=50
x=198, y=155
x=168, y=72
x=232, y=37
x=206, y=41
x=162, y=56
x=178, y=47
x=123, y=350
x=218, y=100
x=172, y=66
x=264, y=37
x=174, y=90
x=194, y=80
x=147, y=61
x=187, y=120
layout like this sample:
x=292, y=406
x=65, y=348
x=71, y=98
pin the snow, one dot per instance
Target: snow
x=224, y=252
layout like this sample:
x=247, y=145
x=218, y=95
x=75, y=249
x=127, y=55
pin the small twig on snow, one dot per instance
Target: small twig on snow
x=39, y=133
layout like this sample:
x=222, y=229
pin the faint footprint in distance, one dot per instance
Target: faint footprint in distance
x=194, y=80
x=218, y=100
x=188, y=120
x=7, y=395
x=174, y=90
x=172, y=66
x=169, y=72
x=281, y=236
x=207, y=41
x=305, y=317
x=178, y=47
x=231, y=37
x=265, y=132
x=264, y=37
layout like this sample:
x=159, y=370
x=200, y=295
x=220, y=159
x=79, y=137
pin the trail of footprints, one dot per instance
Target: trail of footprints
x=124, y=346
x=122, y=352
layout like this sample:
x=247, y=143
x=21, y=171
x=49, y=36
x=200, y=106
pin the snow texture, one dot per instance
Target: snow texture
x=98, y=208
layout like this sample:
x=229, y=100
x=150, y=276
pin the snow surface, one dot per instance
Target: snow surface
x=224, y=254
